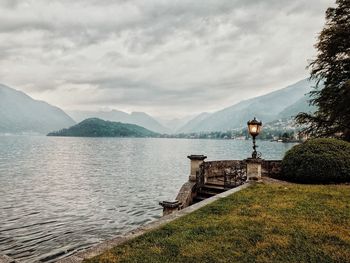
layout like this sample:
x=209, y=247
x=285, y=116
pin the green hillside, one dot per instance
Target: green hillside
x=95, y=127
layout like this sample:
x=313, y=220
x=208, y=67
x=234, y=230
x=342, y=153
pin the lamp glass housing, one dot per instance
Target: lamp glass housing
x=254, y=127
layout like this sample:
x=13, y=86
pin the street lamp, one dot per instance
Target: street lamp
x=254, y=128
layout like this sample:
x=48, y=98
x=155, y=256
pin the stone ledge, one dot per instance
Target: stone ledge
x=198, y=157
x=98, y=249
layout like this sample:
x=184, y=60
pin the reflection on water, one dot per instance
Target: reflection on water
x=59, y=195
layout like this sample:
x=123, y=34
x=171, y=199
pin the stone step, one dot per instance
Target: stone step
x=213, y=188
x=208, y=193
x=208, y=190
x=199, y=198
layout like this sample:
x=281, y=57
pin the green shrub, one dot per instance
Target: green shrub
x=318, y=161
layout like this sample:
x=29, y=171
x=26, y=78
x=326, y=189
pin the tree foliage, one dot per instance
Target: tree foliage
x=331, y=70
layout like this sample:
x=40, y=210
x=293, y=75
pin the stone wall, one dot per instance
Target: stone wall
x=214, y=172
x=227, y=174
x=186, y=194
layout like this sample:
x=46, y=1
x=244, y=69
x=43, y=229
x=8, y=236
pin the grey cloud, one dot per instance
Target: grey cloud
x=193, y=53
x=11, y=4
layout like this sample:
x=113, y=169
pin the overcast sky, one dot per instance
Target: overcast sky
x=165, y=57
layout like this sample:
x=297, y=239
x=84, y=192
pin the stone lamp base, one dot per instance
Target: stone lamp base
x=254, y=169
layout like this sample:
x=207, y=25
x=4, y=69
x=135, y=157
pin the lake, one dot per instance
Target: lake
x=59, y=195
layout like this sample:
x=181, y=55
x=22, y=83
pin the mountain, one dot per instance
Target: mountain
x=191, y=124
x=19, y=113
x=145, y=120
x=95, y=127
x=301, y=105
x=269, y=107
x=176, y=123
x=138, y=118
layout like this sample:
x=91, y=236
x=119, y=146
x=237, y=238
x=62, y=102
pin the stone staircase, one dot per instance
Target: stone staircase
x=208, y=190
x=208, y=179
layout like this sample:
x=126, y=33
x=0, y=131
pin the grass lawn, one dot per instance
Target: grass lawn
x=268, y=222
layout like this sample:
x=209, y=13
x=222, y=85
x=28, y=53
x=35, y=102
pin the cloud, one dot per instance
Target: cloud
x=164, y=57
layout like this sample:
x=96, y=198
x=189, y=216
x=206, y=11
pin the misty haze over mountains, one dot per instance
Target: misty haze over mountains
x=283, y=103
x=138, y=118
x=19, y=113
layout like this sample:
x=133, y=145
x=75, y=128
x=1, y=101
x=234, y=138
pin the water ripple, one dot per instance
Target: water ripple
x=60, y=195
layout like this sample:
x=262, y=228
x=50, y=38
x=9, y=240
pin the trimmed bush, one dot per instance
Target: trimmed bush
x=318, y=161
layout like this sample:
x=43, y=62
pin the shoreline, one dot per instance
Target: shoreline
x=98, y=249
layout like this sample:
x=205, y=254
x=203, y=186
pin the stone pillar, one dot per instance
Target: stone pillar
x=196, y=161
x=170, y=206
x=254, y=169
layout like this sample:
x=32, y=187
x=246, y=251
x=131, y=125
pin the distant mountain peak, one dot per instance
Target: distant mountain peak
x=138, y=118
x=19, y=113
x=267, y=107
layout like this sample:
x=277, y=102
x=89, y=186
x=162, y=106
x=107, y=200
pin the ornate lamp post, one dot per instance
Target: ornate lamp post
x=254, y=128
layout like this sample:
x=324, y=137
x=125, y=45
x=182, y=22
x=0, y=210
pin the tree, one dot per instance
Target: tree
x=331, y=70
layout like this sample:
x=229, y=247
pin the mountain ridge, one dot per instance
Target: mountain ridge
x=20, y=113
x=138, y=118
x=266, y=107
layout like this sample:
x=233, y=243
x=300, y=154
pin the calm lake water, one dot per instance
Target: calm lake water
x=59, y=195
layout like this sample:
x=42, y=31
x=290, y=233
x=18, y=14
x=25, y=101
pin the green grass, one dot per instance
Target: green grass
x=264, y=223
